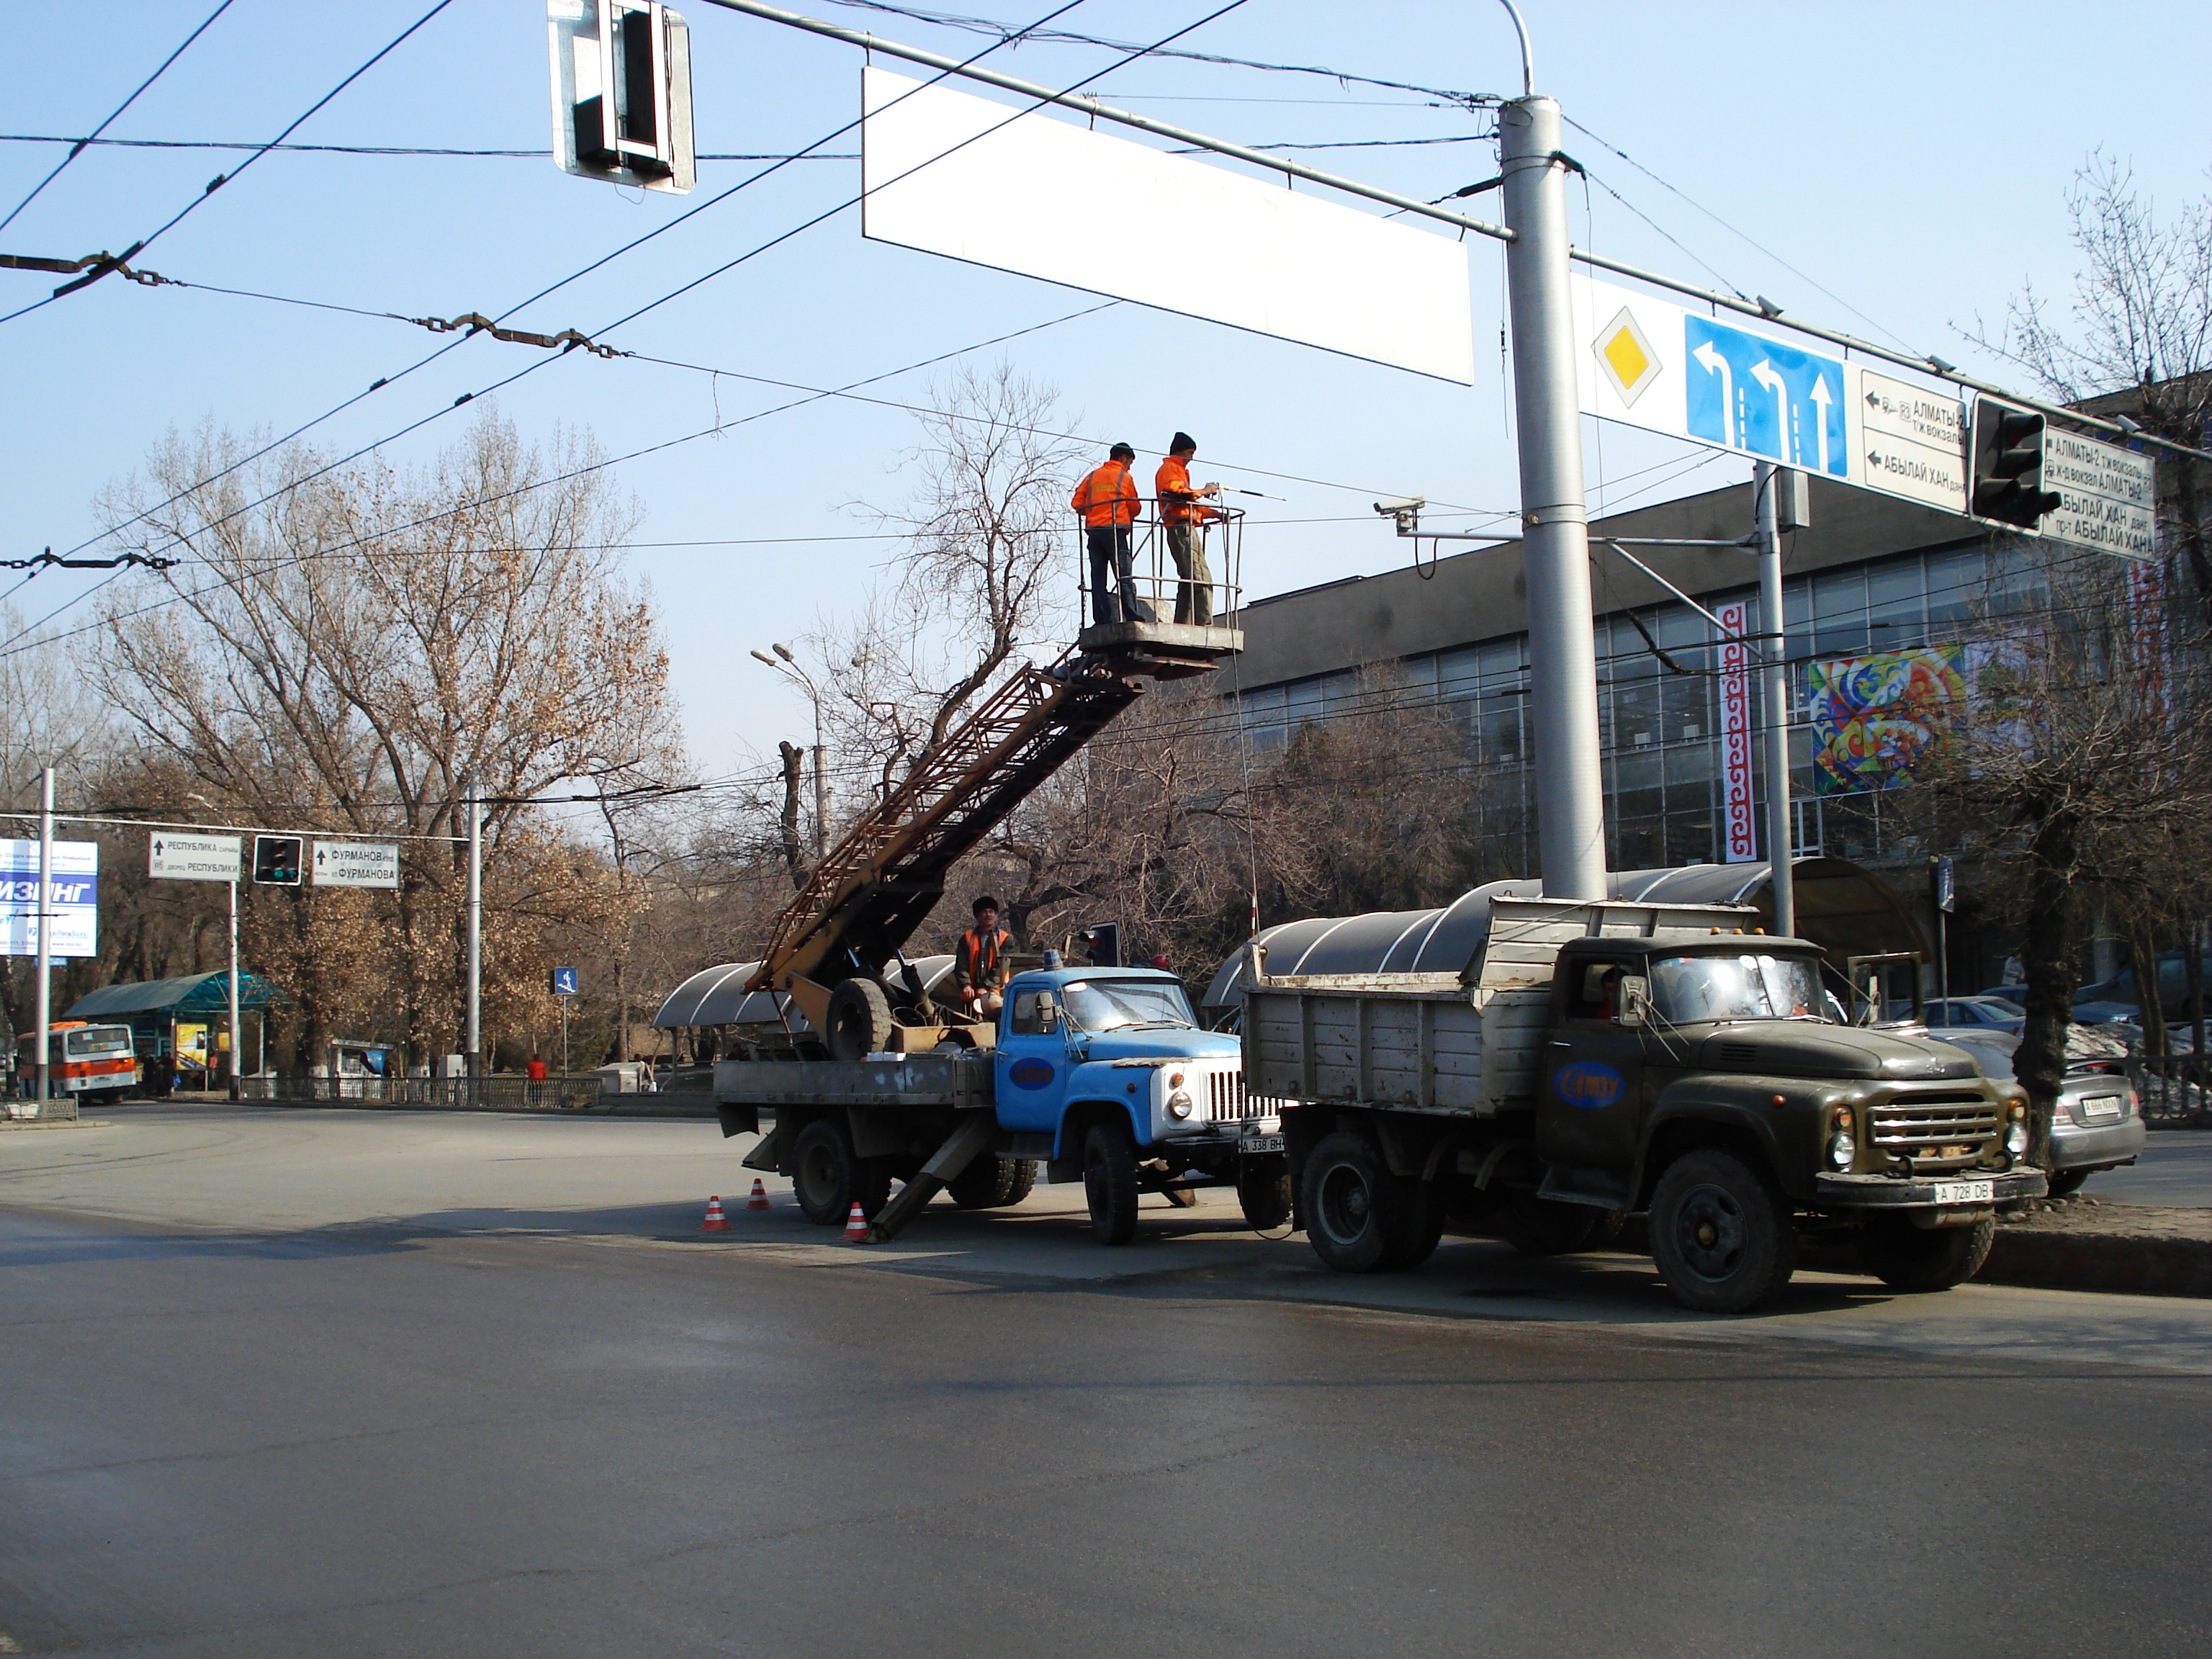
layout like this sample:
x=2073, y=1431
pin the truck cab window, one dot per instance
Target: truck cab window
x=1596, y=991
x=1112, y=1005
x=1686, y=989
x=1028, y=1016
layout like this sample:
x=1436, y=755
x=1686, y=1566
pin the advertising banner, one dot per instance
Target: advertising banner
x=1740, y=822
x=73, y=906
x=1875, y=717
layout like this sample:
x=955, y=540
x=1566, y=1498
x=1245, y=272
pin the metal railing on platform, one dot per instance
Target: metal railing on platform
x=491, y=1094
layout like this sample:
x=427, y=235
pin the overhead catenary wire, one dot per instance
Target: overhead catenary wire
x=77, y=147
x=379, y=149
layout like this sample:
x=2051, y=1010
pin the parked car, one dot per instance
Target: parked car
x=2098, y=1125
x=1979, y=1013
x=2173, y=987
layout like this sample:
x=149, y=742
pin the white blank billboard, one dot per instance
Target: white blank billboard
x=1046, y=198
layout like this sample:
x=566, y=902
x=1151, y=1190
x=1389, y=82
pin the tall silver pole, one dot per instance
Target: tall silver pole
x=1774, y=643
x=236, y=1043
x=45, y=990
x=476, y=941
x=1555, y=541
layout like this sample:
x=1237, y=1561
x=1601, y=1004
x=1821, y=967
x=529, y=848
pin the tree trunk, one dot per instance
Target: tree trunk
x=2142, y=960
x=795, y=850
x=2048, y=960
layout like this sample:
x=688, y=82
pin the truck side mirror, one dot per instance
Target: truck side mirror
x=1634, y=1002
x=1047, y=1014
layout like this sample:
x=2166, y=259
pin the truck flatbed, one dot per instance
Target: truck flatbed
x=918, y=1081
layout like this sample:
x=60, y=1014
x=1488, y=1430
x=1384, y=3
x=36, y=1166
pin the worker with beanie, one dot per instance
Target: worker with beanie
x=979, y=964
x=1184, y=512
x=1108, y=500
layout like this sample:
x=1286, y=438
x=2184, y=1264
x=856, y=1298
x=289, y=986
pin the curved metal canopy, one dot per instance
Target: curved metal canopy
x=1844, y=908
x=717, y=996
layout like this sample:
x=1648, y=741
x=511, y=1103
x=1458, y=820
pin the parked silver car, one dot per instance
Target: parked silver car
x=2097, y=1124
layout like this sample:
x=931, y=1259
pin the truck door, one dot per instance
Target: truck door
x=1592, y=1105
x=1029, y=1069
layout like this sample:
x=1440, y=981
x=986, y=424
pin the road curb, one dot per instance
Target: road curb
x=2133, y=1263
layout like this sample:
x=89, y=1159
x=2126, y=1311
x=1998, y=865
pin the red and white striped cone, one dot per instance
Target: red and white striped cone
x=856, y=1226
x=713, y=1223
x=759, y=1200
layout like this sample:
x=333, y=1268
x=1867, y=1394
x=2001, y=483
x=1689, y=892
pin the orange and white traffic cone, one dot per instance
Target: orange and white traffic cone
x=856, y=1226
x=713, y=1223
x=759, y=1200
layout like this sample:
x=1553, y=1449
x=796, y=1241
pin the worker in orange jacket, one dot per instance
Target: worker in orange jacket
x=1108, y=503
x=1184, y=512
x=979, y=964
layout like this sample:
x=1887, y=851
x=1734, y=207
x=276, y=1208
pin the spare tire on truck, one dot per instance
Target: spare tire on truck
x=860, y=1020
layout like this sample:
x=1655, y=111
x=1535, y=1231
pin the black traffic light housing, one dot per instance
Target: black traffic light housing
x=2007, y=466
x=1103, y=942
x=276, y=860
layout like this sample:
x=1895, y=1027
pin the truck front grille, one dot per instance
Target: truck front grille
x=1225, y=1098
x=1948, y=1131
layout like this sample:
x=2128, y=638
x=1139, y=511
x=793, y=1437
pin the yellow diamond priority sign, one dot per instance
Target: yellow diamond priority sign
x=1627, y=356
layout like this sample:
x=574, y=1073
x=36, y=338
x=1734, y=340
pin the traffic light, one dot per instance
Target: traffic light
x=2008, y=466
x=1102, y=942
x=622, y=93
x=277, y=860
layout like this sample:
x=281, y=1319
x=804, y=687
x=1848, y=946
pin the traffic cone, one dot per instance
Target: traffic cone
x=713, y=1223
x=856, y=1226
x=759, y=1200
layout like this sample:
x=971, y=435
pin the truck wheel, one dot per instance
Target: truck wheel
x=829, y=1179
x=1360, y=1218
x=1024, y=1182
x=1544, y=1227
x=860, y=1020
x=1721, y=1234
x=1263, y=1190
x=1908, y=1258
x=1109, y=1182
x=986, y=1183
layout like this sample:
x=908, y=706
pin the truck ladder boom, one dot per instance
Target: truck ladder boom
x=879, y=883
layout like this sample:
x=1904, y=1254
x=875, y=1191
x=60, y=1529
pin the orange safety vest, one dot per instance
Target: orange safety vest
x=1107, y=496
x=1179, y=502
x=979, y=957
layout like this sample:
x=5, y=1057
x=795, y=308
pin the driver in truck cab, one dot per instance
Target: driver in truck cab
x=979, y=964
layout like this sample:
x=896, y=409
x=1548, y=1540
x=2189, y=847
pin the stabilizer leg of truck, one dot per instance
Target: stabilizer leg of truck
x=960, y=1148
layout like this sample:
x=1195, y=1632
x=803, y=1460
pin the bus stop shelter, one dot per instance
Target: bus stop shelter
x=177, y=1025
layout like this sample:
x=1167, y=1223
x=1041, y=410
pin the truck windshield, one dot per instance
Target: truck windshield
x=1114, y=1004
x=1688, y=989
x=100, y=1041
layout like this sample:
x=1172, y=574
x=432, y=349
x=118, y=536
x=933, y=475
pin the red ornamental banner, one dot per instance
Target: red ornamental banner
x=1740, y=823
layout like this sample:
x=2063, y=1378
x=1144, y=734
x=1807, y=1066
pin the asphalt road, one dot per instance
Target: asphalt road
x=332, y=1384
x=2175, y=1168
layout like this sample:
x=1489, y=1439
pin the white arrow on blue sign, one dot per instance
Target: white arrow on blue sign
x=1764, y=398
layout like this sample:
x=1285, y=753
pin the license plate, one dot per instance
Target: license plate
x=1274, y=1144
x=2102, y=1106
x=1966, y=1192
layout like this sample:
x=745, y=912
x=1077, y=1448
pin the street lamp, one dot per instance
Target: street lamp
x=787, y=664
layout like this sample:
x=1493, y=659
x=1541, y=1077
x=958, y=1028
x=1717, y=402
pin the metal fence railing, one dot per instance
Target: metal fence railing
x=491, y=1094
x=2174, y=1090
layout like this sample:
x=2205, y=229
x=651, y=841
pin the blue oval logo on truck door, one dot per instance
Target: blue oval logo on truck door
x=1586, y=1082
x=1030, y=1073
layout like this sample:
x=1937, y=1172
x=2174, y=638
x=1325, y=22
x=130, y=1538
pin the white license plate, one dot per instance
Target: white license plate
x=1966, y=1192
x=1270, y=1144
x=2100, y=1106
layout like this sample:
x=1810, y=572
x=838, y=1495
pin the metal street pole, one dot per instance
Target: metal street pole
x=474, y=1060
x=1774, y=641
x=46, y=1005
x=235, y=1044
x=1555, y=541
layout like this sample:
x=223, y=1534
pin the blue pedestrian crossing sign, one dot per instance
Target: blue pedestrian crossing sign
x=564, y=982
x=1752, y=393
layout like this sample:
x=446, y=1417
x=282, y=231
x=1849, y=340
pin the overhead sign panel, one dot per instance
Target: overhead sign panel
x=355, y=864
x=1652, y=363
x=2107, y=492
x=194, y=858
x=950, y=174
x=72, y=899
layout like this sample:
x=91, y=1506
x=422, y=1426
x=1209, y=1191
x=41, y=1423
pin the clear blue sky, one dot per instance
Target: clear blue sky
x=1910, y=158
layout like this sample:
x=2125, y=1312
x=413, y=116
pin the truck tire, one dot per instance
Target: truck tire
x=1908, y=1258
x=860, y=1020
x=1263, y=1190
x=1721, y=1234
x=1544, y=1227
x=1025, y=1180
x=828, y=1178
x=1360, y=1218
x=1109, y=1182
x=989, y=1181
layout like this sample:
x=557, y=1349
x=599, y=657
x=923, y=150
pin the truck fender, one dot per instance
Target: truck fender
x=1076, y=1121
x=1736, y=1113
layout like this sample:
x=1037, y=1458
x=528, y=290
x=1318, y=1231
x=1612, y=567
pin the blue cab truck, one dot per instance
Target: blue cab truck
x=1100, y=1074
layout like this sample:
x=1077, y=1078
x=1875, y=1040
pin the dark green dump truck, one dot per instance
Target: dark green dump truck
x=1597, y=1061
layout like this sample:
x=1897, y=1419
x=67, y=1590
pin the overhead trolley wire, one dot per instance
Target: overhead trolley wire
x=222, y=178
x=77, y=147
x=364, y=149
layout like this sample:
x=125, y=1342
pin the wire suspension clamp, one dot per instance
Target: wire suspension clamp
x=567, y=339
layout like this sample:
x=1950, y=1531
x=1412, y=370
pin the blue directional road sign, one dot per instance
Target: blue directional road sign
x=564, y=982
x=1748, y=393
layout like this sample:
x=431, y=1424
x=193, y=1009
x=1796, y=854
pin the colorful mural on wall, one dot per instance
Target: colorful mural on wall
x=1874, y=717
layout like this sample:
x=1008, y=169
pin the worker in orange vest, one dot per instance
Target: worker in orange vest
x=979, y=964
x=1108, y=503
x=1184, y=512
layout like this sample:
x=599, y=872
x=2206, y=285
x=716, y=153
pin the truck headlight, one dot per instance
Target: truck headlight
x=2017, y=1140
x=1842, y=1149
x=1178, y=1104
